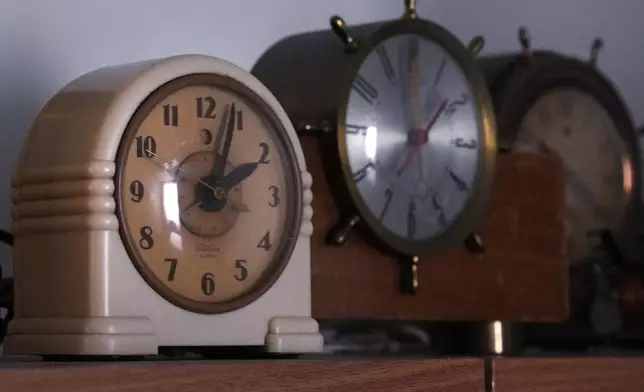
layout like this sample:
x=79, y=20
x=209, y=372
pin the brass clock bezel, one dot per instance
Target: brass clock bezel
x=293, y=180
x=469, y=215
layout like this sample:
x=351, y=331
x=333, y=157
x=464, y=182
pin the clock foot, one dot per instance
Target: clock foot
x=408, y=275
x=293, y=335
x=340, y=231
x=474, y=243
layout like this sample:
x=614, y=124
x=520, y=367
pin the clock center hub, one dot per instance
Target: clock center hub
x=219, y=193
x=206, y=209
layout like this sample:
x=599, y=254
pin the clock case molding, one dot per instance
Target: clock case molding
x=76, y=290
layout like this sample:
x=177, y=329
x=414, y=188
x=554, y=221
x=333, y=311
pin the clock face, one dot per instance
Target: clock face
x=412, y=137
x=208, y=193
x=572, y=124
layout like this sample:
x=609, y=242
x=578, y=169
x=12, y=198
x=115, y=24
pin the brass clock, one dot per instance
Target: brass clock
x=551, y=103
x=158, y=204
x=405, y=123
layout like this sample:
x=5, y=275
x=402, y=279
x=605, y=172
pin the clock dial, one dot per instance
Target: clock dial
x=572, y=124
x=208, y=194
x=412, y=137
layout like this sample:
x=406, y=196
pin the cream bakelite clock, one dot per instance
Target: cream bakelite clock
x=158, y=204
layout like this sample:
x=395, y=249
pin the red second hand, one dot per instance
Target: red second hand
x=421, y=138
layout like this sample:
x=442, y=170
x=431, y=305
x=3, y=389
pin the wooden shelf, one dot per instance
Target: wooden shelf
x=329, y=375
x=320, y=375
x=621, y=374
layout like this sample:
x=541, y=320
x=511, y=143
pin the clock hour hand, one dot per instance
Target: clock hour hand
x=237, y=175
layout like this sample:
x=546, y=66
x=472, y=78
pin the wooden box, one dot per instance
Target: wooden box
x=521, y=277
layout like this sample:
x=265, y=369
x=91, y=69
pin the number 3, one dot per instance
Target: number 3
x=275, y=192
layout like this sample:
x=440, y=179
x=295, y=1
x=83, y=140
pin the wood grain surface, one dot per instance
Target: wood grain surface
x=276, y=375
x=522, y=277
x=569, y=375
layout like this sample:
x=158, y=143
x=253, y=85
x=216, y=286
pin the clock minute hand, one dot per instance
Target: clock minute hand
x=219, y=165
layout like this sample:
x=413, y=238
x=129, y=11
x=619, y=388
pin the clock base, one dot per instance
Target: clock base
x=134, y=336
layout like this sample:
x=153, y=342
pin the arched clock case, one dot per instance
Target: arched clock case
x=329, y=80
x=163, y=203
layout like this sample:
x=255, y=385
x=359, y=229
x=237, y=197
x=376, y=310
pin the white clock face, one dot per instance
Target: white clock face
x=572, y=124
x=412, y=136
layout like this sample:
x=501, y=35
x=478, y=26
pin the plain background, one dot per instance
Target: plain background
x=44, y=44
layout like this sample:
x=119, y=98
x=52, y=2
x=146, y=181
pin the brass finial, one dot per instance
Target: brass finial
x=476, y=45
x=525, y=41
x=410, y=9
x=595, y=48
x=339, y=28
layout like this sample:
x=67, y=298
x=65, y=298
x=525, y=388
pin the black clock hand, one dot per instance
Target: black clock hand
x=218, y=140
x=237, y=175
x=219, y=166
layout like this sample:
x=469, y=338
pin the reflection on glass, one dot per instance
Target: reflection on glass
x=171, y=211
x=627, y=172
x=371, y=143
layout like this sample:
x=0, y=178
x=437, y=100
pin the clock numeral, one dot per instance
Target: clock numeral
x=275, y=194
x=137, y=190
x=263, y=157
x=171, y=115
x=388, y=69
x=206, y=107
x=242, y=271
x=240, y=120
x=356, y=129
x=145, y=146
x=265, y=242
x=389, y=194
x=453, y=106
x=208, y=283
x=411, y=219
x=460, y=183
x=146, y=242
x=462, y=143
x=173, y=268
x=441, y=214
x=365, y=90
x=362, y=173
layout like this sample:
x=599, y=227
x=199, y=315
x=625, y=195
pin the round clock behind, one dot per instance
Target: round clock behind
x=550, y=103
x=403, y=119
x=162, y=203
